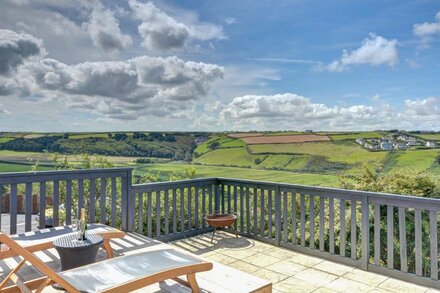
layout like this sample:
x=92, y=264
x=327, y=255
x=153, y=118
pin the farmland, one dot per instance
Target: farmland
x=225, y=155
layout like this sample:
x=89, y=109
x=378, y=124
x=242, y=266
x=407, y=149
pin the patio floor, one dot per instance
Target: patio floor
x=287, y=270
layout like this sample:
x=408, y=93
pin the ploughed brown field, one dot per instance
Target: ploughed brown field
x=246, y=134
x=284, y=139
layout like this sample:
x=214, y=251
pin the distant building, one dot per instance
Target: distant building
x=400, y=146
x=430, y=144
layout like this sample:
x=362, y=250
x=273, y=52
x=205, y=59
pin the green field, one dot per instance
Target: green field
x=353, y=136
x=5, y=139
x=243, y=173
x=87, y=135
x=276, y=161
x=228, y=157
x=435, y=136
x=418, y=160
x=8, y=167
x=343, y=152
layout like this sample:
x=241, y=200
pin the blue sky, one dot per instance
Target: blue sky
x=219, y=65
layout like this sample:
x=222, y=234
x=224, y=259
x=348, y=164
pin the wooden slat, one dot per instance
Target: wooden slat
x=365, y=240
x=390, y=237
x=174, y=210
x=56, y=203
x=234, y=194
x=418, y=241
x=182, y=209
x=190, y=195
x=229, y=198
x=158, y=219
x=13, y=210
x=262, y=204
x=255, y=216
x=321, y=222
x=312, y=222
x=103, y=200
x=42, y=209
x=28, y=208
x=303, y=219
x=433, y=244
x=68, y=202
x=223, y=197
x=211, y=193
x=248, y=211
x=167, y=212
x=277, y=217
x=196, y=208
x=331, y=226
x=81, y=197
x=1, y=196
x=114, y=203
x=285, y=218
x=353, y=230
x=92, y=201
x=241, y=209
x=402, y=239
x=269, y=214
x=376, y=234
x=140, y=213
x=149, y=214
x=342, y=234
x=294, y=234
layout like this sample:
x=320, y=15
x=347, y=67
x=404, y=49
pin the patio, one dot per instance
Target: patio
x=287, y=270
x=302, y=238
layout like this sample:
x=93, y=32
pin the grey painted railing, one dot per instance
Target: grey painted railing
x=389, y=234
x=103, y=191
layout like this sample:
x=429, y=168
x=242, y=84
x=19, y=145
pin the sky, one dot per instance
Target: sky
x=168, y=65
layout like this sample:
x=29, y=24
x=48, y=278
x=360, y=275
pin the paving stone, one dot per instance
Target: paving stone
x=286, y=267
x=262, y=260
x=368, y=278
x=334, y=268
x=293, y=285
x=305, y=260
x=317, y=277
x=395, y=285
x=347, y=286
x=270, y=275
x=221, y=258
x=244, y=266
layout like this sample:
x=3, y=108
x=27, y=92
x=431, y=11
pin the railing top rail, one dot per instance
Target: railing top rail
x=57, y=174
x=172, y=184
x=305, y=188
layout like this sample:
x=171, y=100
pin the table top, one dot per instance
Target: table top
x=71, y=241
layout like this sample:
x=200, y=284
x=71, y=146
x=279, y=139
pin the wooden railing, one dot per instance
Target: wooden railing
x=103, y=191
x=394, y=235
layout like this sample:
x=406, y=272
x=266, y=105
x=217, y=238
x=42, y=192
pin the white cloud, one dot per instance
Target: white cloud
x=116, y=89
x=375, y=50
x=427, y=29
x=292, y=111
x=105, y=32
x=230, y=20
x=160, y=31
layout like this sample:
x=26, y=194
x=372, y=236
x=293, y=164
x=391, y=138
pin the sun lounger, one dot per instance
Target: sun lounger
x=42, y=239
x=120, y=274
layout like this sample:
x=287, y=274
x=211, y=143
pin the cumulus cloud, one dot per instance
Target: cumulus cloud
x=375, y=50
x=16, y=48
x=105, y=33
x=116, y=89
x=427, y=30
x=160, y=31
x=292, y=111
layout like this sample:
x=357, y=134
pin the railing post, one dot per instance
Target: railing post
x=365, y=257
x=127, y=207
x=277, y=216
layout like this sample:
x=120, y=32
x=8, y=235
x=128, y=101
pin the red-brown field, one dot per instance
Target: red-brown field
x=245, y=134
x=284, y=139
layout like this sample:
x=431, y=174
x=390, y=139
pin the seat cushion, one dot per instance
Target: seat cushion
x=116, y=271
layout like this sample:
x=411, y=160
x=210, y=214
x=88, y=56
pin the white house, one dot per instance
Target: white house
x=430, y=144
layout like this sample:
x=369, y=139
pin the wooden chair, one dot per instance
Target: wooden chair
x=120, y=274
x=43, y=239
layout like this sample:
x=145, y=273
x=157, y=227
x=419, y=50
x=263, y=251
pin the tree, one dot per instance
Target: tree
x=214, y=145
x=120, y=136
